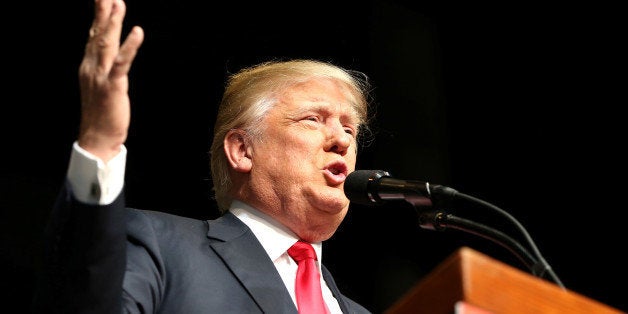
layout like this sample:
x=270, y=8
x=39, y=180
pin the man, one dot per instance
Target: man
x=284, y=141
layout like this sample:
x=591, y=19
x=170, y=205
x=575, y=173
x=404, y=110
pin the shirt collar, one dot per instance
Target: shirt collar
x=274, y=237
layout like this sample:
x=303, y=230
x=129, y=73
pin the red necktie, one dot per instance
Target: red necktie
x=308, y=284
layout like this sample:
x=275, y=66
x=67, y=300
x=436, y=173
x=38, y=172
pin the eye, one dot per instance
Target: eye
x=350, y=130
x=312, y=118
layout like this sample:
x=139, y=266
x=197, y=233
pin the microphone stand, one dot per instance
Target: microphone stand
x=440, y=220
x=377, y=186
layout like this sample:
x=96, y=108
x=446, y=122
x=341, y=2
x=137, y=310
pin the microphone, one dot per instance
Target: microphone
x=371, y=187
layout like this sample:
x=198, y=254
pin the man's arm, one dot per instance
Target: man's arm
x=84, y=257
x=85, y=239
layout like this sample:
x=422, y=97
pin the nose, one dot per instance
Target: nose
x=338, y=140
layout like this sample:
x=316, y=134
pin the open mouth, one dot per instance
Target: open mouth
x=336, y=172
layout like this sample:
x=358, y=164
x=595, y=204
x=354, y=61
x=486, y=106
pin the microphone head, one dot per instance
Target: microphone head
x=358, y=186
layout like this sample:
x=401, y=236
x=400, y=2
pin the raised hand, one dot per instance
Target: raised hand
x=104, y=81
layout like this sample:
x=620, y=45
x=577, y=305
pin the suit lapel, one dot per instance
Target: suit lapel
x=234, y=242
x=334, y=289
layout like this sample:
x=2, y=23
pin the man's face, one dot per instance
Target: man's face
x=300, y=164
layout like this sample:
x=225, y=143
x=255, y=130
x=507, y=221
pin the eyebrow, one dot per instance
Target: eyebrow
x=316, y=106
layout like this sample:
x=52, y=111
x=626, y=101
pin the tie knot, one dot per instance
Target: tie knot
x=301, y=250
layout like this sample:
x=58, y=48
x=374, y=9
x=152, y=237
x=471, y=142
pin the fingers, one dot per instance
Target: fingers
x=104, y=35
x=103, y=51
x=103, y=79
x=127, y=53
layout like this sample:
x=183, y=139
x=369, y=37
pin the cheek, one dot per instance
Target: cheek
x=304, y=142
x=351, y=159
x=287, y=149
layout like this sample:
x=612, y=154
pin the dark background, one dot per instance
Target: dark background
x=515, y=104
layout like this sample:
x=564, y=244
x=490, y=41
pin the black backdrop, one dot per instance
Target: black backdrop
x=515, y=104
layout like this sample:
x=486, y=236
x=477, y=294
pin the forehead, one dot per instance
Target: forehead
x=320, y=94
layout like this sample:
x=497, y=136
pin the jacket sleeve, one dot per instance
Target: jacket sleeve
x=84, y=257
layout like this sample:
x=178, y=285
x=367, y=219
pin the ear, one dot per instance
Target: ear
x=237, y=150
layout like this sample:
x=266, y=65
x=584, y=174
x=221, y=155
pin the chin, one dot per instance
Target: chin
x=333, y=203
x=335, y=207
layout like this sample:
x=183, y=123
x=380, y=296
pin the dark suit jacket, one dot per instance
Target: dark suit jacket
x=101, y=259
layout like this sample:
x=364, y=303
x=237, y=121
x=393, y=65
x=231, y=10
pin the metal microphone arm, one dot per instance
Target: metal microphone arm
x=440, y=221
x=520, y=227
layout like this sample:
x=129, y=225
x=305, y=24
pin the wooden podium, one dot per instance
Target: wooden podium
x=471, y=282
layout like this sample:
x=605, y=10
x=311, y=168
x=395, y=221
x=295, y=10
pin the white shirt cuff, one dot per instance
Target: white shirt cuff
x=93, y=181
